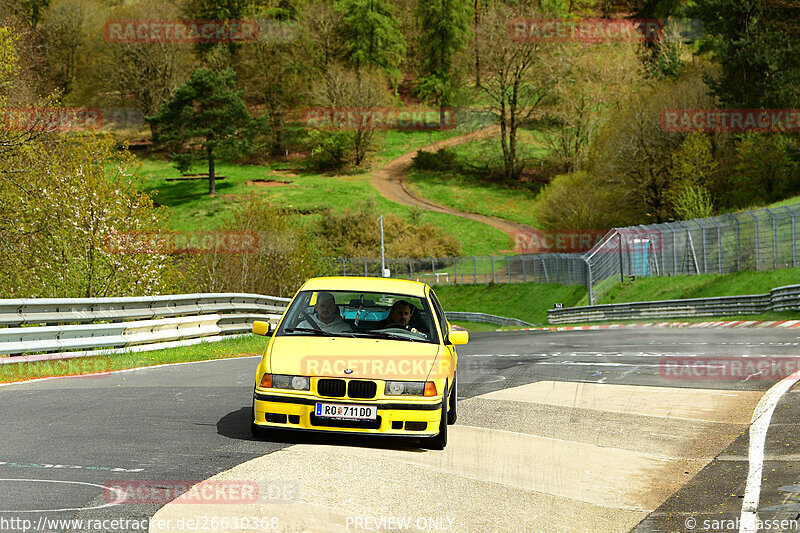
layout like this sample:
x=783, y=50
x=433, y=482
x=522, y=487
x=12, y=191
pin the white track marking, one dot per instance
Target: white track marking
x=120, y=496
x=758, y=436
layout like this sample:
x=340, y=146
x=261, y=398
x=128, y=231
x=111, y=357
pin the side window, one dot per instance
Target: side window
x=437, y=307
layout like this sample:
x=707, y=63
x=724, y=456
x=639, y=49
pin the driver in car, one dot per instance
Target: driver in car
x=326, y=316
x=399, y=316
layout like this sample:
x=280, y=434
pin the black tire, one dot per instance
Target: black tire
x=439, y=441
x=256, y=431
x=452, y=411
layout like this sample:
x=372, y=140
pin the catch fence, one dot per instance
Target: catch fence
x=762, y=239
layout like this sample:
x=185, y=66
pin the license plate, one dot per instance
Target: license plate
x=347, y=412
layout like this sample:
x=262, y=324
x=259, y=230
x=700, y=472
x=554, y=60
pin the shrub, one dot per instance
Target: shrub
x=329, y=150
x=285, y=255
x=442, y=159
x=581, y=201
x=356, y=233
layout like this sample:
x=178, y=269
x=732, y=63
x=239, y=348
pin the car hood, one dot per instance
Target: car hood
x=352, y=358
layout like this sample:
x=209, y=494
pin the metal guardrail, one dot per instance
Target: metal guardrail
x=92, y=326
x=780, y=299
x=483, y=317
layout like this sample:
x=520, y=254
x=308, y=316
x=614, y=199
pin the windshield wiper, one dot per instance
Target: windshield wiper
x=320, y=332
x=386, y=335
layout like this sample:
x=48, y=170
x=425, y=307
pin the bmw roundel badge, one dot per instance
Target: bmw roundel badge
x=348, y=370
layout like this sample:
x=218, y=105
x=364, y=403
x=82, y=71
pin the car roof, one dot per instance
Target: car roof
x=359, y=283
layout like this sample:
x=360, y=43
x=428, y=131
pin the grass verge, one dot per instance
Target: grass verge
x=244, y=346
x=700, y=286
x=526, y=301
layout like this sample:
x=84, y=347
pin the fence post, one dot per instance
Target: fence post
x=794, y=237
x=719, y=244
x=524, y=275
x=703, y=234
x=344, y=269
x=453, y=259
x=738, y=243
x=546, y=275
x=589, y=280
x=758, y=255
x=492, y=261
x=365, y=267
x=621, y=269
x=508, y=265
x=774, y=238
x=410, y=269
x=433, y=268
x=474, y=270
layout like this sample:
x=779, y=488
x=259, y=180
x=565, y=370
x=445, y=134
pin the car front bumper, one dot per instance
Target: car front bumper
x=393, y=416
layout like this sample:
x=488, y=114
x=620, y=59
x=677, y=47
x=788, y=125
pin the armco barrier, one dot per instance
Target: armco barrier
x=60, y=327
x=483, y=317
x=779, y=299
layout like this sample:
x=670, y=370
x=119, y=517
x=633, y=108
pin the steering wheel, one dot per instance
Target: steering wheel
x=310, y=320
x=396, y=325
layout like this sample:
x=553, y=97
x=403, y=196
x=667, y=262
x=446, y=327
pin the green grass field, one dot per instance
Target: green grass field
x=469, y=192
x=305, y=192
x=701, y=286
x=526, y=301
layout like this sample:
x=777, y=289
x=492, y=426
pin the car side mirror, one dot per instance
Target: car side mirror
x=263, y=328
x=458, y=337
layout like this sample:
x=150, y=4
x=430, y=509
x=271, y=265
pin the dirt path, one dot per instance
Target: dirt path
x=390, y=180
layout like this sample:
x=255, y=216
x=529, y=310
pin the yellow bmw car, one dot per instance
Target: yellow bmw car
x=359, y=355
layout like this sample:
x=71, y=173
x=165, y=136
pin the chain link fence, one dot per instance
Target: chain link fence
x=762, y=239
x=544, y=268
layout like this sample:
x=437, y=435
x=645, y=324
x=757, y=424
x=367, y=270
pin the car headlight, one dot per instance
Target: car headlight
x=409, y=388
x=281, y=381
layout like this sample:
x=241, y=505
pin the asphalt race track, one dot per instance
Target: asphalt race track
x=557, y=431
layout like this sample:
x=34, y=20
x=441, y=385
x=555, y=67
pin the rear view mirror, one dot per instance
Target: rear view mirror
x=262, y=328
x=458, y=337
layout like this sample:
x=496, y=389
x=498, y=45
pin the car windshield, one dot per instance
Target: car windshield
x=360, y=314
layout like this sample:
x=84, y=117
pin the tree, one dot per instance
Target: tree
x=274, y=75
x=205, y=116
x=342, y=88
x=693, y=168
x=596, y=80
x=757, y=43
x=634, y=154
x=766, y=169
x=284, y=256
x=516, y=78
x=144, y=73
x=66, y=27
x=371, y=34
x=445, y=32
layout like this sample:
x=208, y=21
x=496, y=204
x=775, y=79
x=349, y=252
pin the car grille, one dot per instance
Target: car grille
x=331, y=387
x=361, y=389
x=358, y=424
